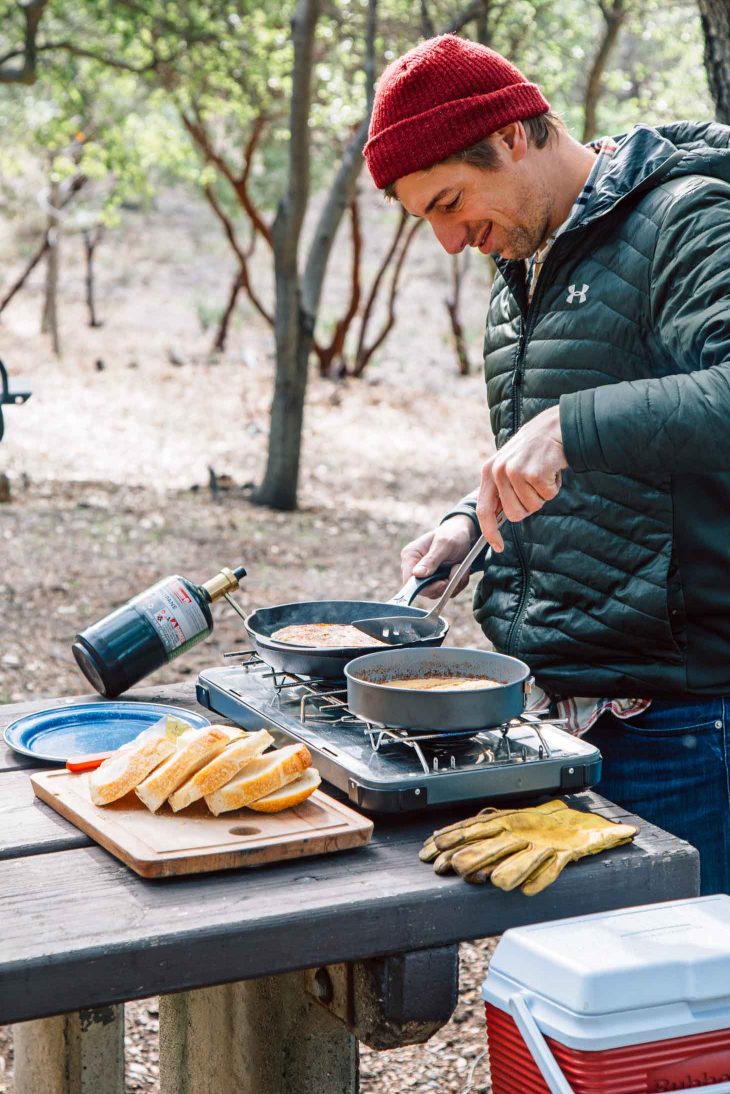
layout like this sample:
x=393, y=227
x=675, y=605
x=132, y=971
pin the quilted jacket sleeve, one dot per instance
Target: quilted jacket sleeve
x=468, y=507
x=681, y=422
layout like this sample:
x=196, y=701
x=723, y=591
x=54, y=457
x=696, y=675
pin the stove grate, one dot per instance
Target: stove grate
x=435, y=751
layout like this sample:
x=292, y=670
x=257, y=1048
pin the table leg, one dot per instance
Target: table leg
x=77, y=1053
x=264, y=1036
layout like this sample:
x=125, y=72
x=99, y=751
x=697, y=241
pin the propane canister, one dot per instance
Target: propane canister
x=149, y=630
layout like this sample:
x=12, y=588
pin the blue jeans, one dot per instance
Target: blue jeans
x=670, y=765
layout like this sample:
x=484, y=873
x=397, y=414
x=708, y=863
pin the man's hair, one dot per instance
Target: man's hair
x=539, y=129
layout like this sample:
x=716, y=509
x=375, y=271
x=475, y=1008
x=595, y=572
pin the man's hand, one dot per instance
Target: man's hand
x=450, y=542
x=523, y=475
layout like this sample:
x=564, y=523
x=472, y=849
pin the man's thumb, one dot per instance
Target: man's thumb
x=426, y=566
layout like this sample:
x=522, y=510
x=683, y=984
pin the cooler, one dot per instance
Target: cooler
x=627, y=1002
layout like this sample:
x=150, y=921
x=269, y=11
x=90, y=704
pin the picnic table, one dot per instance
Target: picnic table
x=269, y=976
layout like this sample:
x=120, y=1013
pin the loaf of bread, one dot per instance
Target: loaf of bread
x=291, y=794
x=194, y=749
x=260, y=778
x=129, y=765
x=221, y=769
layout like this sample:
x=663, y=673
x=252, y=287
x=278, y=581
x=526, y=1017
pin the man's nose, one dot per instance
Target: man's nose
x=452, y=237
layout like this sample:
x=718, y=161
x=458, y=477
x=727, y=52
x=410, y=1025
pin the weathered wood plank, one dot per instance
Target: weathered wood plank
x=79, y=928
x=27, y=827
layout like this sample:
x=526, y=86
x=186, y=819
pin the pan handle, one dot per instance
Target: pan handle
x=413, y=585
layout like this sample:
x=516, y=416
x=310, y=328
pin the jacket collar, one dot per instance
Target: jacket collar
x=645, y=157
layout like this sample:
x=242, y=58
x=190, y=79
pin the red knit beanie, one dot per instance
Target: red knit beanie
x=440, y=98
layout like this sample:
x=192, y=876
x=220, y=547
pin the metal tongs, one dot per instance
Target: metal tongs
x=398, y=630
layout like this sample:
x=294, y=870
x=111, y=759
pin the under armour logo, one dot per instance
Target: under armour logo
x=581, y=293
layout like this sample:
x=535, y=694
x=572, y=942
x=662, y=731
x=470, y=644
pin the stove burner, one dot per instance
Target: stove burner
x=436, y=750
x=385, y=769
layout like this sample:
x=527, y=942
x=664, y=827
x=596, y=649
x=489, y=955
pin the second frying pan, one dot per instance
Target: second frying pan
x=372, y=695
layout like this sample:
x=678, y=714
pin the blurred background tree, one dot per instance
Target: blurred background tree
x=715, y=16
x=263, y=109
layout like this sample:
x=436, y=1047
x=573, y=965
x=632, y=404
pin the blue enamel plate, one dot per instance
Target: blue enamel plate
x=83, y=728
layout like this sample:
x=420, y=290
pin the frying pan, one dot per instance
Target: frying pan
x=370, y=696
x=330, y=662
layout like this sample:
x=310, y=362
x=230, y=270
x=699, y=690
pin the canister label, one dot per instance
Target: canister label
x=173, y=613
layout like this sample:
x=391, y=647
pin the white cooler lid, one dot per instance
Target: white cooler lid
x=612, y=966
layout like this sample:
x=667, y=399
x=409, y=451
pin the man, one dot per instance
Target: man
x=608, y=380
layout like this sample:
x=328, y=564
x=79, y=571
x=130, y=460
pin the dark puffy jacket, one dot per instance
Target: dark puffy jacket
x=620, y=586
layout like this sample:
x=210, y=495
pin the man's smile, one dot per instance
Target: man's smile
x=482, y=242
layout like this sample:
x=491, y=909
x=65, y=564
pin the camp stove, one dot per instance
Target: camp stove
x=393, y=770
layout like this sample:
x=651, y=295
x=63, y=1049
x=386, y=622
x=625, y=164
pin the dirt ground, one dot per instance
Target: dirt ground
x=109, y=473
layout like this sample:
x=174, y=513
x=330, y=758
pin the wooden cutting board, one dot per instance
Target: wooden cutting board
x=193, y=841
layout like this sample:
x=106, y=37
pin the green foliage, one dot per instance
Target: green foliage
x=83, y=118
x=114, y=77
x=658, y=74
x=655, y=75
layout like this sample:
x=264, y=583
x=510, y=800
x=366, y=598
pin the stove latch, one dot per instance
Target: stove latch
x=406, y=800
x=574, y=777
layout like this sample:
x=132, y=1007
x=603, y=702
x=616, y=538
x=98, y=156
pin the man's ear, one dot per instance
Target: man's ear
x=514, y=140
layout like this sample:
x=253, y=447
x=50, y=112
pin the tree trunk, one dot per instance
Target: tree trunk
x=483, y=31
x=279, y=487
x=24, y=71
x=49, y=319
x=293, y=328
x=453, y=306
x=715, y=16
x=91, y=242
x=614, y=14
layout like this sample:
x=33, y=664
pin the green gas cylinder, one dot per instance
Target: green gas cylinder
x=152, y=628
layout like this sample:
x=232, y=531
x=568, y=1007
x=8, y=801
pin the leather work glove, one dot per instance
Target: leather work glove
x=528, y=847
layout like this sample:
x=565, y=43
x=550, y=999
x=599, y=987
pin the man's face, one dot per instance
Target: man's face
x=504, y=211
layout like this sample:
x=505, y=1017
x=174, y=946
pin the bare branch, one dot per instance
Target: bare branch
x=239, y=183
x=239, y=252
x=385, y=330
x=377, y=281
x=23, y=277
x=219, y=342
x=334, y=351
x=69, y=193
x=104, y=59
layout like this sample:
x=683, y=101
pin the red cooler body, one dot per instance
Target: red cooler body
x=628, y=1002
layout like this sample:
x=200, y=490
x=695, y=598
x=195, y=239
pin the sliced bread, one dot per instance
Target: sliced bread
x=194, y=749
x=221, y=769
x=259, y=778
x=129, y=765
x=291, y=794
